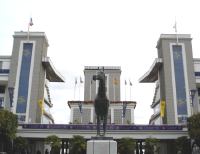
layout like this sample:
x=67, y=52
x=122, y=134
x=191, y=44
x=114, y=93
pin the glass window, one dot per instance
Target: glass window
x=197, y=73
x=1, y=102
x=24, y=78
x=179, y=80
x=2, y=89
x=1, y=64
x=198, y=91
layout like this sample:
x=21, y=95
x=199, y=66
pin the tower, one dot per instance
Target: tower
x=173, y=72
x=120, y=112
x=112, y=82
x=29, y=73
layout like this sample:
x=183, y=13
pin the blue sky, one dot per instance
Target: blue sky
x=107, y=32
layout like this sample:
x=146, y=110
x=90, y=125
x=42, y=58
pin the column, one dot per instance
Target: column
x=92, y=114
x=112, y=115
x=71, y=114
x=62, y=147
x=137, y=148
x=140, y=146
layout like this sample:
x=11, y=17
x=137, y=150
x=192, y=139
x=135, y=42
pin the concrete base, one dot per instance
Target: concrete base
x=101, y=147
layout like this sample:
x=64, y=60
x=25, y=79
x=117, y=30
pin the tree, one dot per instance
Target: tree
x=183, y=145
x=126, y=145
x=151, y=145
x=8, y=127
x=55, y=144
x=193, y=124
x=20, y=145
x=77, y=145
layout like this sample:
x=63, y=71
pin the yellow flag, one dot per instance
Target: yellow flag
x=41, y=105
x=162, y=108
x=115, y=81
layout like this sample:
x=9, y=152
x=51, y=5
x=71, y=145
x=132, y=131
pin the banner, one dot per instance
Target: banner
x=162, y=108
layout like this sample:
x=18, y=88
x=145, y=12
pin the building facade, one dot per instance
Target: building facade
x=176, y=75
x=120, y=112
x=24, y=78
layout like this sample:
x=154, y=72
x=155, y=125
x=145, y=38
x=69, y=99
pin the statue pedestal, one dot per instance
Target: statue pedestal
x=101, y=145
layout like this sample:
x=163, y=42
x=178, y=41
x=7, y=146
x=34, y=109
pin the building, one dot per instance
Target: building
x=24, y=78
x=176, y=75
x=83, y=111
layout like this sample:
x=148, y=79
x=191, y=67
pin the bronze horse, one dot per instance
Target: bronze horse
x=101, y=103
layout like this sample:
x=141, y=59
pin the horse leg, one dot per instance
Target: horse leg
x=104, y=125
x=98, y=125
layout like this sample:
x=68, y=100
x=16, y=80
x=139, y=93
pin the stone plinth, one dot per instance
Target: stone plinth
x=97, y=146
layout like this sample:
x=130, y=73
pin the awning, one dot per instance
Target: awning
x=152, y=74
x=51, y=74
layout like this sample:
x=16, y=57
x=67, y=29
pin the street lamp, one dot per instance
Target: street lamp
x=192, y=94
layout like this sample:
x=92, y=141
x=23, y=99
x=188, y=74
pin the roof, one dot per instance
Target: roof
x=52, y=74
x=31, y=34
x=105, y=67
x=152, y=74
x=173, y=36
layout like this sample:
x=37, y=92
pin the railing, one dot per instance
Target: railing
x=109, y=127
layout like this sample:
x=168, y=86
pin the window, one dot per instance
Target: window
x=2, y=89
x=180, y=85
x=197, y=73
x=24, y=79
x=1, y=102
x=198, y=91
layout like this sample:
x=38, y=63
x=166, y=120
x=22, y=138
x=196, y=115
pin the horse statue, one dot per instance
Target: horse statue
x=101, y=102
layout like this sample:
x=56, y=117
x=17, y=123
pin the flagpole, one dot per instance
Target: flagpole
x=29, y=24
x=75, y=88
x=125, y=90
x=175, y=28
x=79, y=91
x=130, y=92
x=130, y=83
x=28, y=32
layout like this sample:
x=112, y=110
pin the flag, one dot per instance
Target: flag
x=81, y=81
x=41, y=105
x=80, y=106
x=125, y=82
x=124, y=109
x=75, y=81
x=115, y=81
x=162, y=108
x=11, y=94
x=175, y=27
x=130, y=83
x=31, y=22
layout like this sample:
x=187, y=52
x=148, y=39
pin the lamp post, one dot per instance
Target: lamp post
x=192, y=94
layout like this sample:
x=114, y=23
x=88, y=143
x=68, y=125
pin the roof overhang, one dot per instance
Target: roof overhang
x=92, y=102
x=51, y=74
x=152, y=74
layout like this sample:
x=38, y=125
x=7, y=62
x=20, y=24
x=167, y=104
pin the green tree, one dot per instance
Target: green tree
x=183, y=145
x=55, y=144
x=126, y=146
x=8, y=127
x=20, y=145
x=77, y=145
x=151, y=145
x=193, y=124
